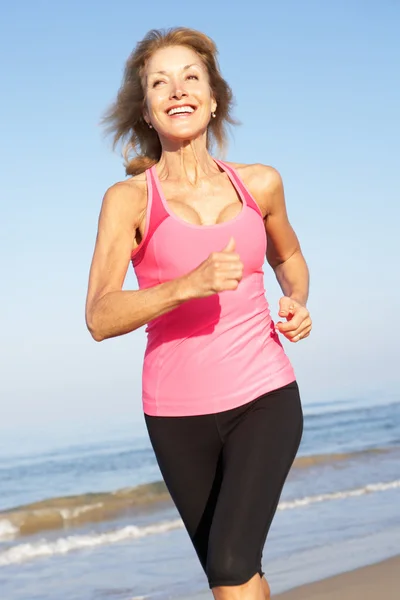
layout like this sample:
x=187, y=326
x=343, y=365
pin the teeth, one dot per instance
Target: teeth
x=180, y=109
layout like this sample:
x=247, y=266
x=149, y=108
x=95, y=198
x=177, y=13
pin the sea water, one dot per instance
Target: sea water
x=93, y=520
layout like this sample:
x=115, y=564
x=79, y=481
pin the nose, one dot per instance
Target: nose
x=177, y=91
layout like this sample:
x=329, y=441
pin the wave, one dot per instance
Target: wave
x=24, y=552
x=318, y=459
x=368, y=489
x=57, y=513
x=42, y=548
x=70, y=511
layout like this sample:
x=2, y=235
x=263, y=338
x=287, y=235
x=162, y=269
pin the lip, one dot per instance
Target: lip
x=180, y=106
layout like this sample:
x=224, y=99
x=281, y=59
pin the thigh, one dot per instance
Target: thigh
x=188, y=452
x=258, y=452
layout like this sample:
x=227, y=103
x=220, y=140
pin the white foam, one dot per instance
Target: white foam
x=7, y=530
x=368, y=489
x=42, y=548
x=68, y=513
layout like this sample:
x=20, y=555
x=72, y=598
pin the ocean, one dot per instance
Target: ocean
x=92, y=519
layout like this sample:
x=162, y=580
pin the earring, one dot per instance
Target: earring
x=150, y=125
x=213, y=115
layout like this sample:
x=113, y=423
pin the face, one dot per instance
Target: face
x=179, y=100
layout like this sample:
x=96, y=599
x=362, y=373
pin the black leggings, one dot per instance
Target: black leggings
x=225, y=473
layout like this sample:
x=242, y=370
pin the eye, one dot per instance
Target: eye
x=155, y=83
x=192, y=77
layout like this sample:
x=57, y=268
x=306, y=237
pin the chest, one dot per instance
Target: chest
x=175, y=249
x=209, y=203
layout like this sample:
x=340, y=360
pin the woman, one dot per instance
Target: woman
x=220, y=399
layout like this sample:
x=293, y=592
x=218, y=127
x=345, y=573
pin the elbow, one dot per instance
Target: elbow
x=96, y=335
x=94, y=329
x=278, y=261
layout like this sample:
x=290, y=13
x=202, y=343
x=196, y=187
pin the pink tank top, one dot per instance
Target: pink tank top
x=208, y=354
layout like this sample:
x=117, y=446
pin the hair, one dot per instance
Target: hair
x=124, y=118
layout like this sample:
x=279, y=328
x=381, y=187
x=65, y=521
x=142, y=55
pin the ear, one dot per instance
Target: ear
x=145, y=115
x=213, y=105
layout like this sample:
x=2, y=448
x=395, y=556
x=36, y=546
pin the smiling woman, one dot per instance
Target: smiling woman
x=220, y=398
x=146, y=79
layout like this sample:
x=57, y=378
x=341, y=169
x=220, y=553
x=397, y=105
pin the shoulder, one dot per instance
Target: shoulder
x=263, y=176
x=263, y=181
x=132, y=188
x=126, y=199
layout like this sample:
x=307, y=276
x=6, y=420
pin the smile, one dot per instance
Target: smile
x=185, y=109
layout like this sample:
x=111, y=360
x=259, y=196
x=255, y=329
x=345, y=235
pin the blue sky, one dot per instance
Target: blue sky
x=317, y=92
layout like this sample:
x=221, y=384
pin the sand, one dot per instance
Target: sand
x=380, y=581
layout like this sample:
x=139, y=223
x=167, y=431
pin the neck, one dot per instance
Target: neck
x=190, y=161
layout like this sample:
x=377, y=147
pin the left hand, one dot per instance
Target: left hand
x=298, y=322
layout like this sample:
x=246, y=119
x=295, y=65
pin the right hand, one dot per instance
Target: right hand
x=219, y=272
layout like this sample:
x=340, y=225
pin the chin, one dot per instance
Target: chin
x=184, y=134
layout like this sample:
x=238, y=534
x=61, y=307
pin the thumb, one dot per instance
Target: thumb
x=230, y=247
x=285, y=306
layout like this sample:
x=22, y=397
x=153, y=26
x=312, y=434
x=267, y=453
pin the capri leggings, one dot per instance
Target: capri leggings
x=225, y=472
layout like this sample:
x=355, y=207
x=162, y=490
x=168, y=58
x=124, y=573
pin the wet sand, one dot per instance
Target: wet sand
x=380, y=581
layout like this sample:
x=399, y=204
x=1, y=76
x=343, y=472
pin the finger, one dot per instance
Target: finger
x=230, y=284
x=299, y=335
x=290, y=329
x=292, y=324
x=233, y=273
x=226, y=257
x=286, y=306
x=230, y=247
x=300, y=315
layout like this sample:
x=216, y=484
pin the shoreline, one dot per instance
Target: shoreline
x=378, y=580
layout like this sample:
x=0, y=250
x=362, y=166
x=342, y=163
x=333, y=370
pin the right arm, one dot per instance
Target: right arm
x=110, y=311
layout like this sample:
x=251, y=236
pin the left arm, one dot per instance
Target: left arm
x=283, y=248
x=284, y=255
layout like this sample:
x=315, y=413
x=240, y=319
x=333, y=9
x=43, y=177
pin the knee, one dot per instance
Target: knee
x=229, y=570
x=266, y=589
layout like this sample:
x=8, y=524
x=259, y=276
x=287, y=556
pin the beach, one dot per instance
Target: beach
x=84, y=519
x=380, y=581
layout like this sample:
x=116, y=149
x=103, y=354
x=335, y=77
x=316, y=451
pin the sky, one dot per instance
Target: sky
x=317, y=92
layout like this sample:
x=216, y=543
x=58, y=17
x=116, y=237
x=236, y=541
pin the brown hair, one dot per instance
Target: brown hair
x=124, y=118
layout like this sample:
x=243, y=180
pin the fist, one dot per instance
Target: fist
x=298, y=322
x=221, y=271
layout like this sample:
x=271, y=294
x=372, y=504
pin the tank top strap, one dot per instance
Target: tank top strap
x=155, y=215
x=240, y=186
x=158, y=212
